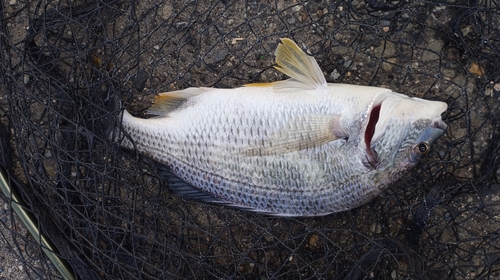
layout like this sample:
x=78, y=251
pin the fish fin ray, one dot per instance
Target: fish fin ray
x=296, y=136
x=290, y=85
x=302, y=68
x=260, y=84
x=184, y=189
x=166, y=102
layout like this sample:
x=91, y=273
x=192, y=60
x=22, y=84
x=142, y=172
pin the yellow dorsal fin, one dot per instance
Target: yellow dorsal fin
x=302, y=68
x=168, y=101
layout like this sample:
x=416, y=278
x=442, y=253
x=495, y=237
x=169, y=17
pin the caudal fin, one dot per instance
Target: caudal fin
x=110, y=123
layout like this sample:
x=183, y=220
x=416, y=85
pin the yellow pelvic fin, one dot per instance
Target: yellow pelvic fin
x=302, y=68
x=168, y=101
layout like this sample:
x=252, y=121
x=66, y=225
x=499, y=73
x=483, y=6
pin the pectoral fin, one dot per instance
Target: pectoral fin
x=303, y=69
x=304, y=132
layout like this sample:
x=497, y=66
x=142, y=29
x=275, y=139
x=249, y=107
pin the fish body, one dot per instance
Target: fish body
x=298, y=147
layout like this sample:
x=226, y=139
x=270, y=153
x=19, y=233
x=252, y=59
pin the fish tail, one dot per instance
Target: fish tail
x=110, y=126
x=120, y=134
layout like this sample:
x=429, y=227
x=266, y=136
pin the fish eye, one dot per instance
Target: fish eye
x=422, y=149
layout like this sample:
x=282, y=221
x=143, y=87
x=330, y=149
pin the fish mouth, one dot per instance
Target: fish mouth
x=440, y=124
x=432, y=133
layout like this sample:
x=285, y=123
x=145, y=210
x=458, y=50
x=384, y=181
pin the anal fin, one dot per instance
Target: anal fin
x=184, y=189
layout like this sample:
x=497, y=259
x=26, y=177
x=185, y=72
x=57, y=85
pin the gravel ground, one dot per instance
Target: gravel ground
x=12, y=256
x=358, y=70
x=11, y=266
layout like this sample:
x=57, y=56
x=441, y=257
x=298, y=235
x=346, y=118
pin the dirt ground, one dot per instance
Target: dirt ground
x=444, y=213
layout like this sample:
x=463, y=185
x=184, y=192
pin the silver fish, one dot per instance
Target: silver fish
x=298, y=147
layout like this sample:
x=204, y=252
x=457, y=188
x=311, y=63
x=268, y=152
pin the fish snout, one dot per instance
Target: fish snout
x=439, y=123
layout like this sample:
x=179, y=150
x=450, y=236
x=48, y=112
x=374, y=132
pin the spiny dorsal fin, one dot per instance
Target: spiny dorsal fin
x=168, y=101
x=302, y=68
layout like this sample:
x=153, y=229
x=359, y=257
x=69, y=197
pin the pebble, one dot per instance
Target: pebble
x=496, y=87
x=452, y=53
x=313, y=240
x=476, y=69
x=433, y=52
x=220, y=55
x=385, y=23
x=386, y=50
x=268, y=237
x=166, y=11
x=140, y=79
x=376, y=228
x=488, y=92
x=335, y=74
x=449, y=73
x=347, y=63
x=297, y=8
x=389, y=64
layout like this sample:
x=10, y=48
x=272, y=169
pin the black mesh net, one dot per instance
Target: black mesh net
x=109, y=212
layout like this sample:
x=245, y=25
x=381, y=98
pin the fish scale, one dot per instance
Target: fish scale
x=298, y=147
x=307, y=175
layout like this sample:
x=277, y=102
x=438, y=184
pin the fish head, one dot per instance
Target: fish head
x=399, y=132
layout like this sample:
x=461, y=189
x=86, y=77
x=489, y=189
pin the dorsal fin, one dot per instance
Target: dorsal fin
x=303, y=69
x=167, y=101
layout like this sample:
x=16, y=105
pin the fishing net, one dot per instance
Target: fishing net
x=109, y=213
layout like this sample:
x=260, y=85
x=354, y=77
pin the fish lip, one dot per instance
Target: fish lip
x=439, y=123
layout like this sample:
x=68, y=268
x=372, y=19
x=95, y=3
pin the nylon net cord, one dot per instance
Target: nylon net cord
x=109, y=211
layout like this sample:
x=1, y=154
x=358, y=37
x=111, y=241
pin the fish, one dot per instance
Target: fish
x=298, y=147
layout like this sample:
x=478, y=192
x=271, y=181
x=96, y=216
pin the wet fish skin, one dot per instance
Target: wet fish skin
x=299, y=147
